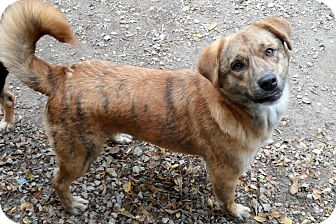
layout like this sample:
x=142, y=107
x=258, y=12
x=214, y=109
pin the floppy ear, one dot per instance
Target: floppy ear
x=279, y=27
x=208, y=61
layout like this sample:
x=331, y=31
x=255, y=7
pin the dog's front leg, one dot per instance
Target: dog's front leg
x=224, y=177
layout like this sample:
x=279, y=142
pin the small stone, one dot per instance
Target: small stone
x=327, y=190
x=138, y=152
x=165, y=220
x=107, y=37
x=136, y=169
x=271, y=5
x=145, y=159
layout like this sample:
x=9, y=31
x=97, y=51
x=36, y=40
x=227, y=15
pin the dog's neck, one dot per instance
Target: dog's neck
x=269, y=115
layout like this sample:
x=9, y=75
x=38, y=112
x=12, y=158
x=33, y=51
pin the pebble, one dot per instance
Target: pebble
x=165, y=220
x=136, y=169
x=107, y=37
x=138, y=152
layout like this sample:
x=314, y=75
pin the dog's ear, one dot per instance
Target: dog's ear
x=279, y=27
x=208, y=61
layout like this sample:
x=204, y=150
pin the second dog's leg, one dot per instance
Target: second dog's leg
x=7, y=101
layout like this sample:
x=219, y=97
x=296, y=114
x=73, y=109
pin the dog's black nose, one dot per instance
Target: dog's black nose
x=268, y=82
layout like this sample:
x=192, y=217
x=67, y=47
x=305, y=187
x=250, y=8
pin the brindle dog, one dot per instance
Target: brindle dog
x=223, y=111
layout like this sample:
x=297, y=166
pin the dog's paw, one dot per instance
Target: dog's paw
x=240, y=211
x=122, y=139
x=6, y=126
x=78, y=205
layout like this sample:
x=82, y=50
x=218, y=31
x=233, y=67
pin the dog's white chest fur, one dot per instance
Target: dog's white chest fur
x=269, y=116
x=4, y=4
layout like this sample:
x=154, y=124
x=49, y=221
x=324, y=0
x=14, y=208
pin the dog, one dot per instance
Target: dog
x=222, y=111
x=7, y=99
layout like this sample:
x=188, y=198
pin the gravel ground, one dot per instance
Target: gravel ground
x=292, y=180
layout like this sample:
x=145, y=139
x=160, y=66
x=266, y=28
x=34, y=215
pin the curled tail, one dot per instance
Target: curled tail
x=21, y=26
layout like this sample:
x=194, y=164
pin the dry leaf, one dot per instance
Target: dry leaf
x=316, y=194
x=295, y=186
x=197, y=36
x=210, y=202
x=280, y=164
x=13, y=210
x=114, y=150
x=275, y=214
x=285, y=220
x=109, y=170
x=306, y=221
x=127, y=186
x=255, y=205
x=126, y=213
x=212, y=26
x=186, y=8
x=26, y=206
x=25, y=220
x=260, y=218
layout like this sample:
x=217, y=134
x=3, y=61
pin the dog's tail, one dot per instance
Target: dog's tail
x=21, y=26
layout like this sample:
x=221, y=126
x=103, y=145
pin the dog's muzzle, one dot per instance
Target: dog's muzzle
x=269, y=89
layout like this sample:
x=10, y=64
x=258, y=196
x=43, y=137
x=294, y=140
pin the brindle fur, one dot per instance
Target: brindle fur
x=211, y=112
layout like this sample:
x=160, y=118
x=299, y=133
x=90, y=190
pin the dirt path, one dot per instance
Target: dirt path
x=142, y=184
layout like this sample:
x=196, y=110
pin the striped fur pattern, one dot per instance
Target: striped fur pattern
x=219, y=111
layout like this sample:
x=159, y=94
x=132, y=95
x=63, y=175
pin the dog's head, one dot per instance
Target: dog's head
x=250, y=65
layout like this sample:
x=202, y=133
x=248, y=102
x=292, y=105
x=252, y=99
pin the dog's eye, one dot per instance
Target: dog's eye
x=237, y=66
x=269, y=52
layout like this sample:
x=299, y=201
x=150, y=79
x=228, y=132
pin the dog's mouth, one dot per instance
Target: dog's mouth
x=268, y=98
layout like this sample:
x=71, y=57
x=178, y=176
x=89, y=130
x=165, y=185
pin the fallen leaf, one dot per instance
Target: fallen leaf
x=210, y=202
x=212, y=26
x=255, y=205
x=306, y=221
x=175, y=166
x=316, y=194
x=126, y=213
x=26, y=206
x=275, y=214
x=127, y=186
x=260, y=218
x=295, y=186
x=171, y=212
x=185, y=8
x=25, y=220
x=13, y=210
x=285, y=220
x=114, y=150
x=197, y=36
x=109, y=170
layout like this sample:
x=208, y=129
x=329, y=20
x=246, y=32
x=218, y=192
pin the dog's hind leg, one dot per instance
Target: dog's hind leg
x=73, y=159
x=7, y=102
